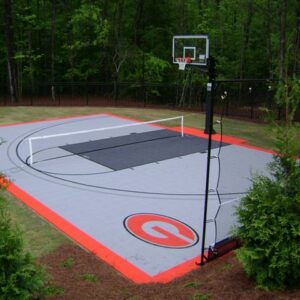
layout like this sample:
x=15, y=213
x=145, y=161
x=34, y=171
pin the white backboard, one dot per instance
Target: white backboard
x=194, y=47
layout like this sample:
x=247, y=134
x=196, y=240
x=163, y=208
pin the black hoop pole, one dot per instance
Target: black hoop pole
x=210, y=88
x=209, y=129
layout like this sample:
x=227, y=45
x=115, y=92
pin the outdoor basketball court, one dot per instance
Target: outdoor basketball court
x=133, y=195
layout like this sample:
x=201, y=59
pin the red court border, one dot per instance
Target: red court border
x=200, y=133
x=89, y=243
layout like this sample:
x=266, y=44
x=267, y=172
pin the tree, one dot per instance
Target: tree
x=10, y=50
x=53, y=31
x=89, y=33
x=84, y=40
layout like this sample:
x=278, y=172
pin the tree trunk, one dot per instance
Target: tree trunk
x=297, y=42
x=282, y=39
x=53, y=27
x=269, y=21
x=282, y=52
x=139, y=23
x=30, y=61
x=246, y=33
x=9, y=41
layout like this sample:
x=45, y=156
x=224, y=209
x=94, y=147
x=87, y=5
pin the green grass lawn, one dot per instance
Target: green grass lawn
x=255, y=134
x=39, y=236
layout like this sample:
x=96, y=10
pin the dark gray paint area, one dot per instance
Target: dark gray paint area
x=138, y=149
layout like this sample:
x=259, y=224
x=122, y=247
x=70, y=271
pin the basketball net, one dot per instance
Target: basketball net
x=182, y=62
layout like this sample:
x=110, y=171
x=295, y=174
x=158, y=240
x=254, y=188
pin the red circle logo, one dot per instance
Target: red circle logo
x=161, y=230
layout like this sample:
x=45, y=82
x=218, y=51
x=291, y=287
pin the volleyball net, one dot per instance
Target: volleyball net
x=41, y=148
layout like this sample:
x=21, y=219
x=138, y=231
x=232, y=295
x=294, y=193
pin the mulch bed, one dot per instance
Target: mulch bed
x=77, y=274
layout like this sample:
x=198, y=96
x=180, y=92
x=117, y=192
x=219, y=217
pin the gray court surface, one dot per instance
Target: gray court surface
x=139, y=149
x=96, y=181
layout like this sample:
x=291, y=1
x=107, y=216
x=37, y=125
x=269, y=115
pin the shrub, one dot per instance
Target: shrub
x=270, y=217
x=270, y=234
x=20, y=278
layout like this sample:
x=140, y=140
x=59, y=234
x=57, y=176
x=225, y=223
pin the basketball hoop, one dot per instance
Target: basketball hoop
x=182, y=61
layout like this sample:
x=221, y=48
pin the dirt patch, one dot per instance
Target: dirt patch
x=77, y=274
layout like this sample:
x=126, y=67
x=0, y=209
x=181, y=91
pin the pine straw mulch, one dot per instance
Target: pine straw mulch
x=77, y=274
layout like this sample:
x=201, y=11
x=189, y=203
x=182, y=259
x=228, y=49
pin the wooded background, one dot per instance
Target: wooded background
x=50, y=43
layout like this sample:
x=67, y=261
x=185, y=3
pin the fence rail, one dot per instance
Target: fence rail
x=246, y=100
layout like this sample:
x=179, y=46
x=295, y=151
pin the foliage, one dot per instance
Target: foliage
x=270, y=233
x=20, y=277
x=151, y=69
x=288, y=96
x=269, y=214
x=89, y=277
x=78, y=39
x=200, y=296
x=88, y=32
x=68, y=262
x=193, y=284
x=54, y=290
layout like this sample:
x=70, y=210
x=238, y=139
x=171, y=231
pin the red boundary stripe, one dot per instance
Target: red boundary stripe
x=200, y=133
x=215, y=137
x=102, y=252
x=116, y=261
x=188, y=130
x=226, y=139
x=177, y=271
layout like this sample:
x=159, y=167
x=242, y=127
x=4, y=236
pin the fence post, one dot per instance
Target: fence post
x=86, y=94
x=251, y=103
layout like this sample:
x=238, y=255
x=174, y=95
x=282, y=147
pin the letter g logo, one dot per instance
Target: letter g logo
x=161, y=230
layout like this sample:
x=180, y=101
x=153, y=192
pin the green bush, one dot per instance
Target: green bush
x=20, y=277
x=269, y=216
x=270, y=234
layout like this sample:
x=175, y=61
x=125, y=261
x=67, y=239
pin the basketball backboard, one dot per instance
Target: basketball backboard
x=192, y=48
